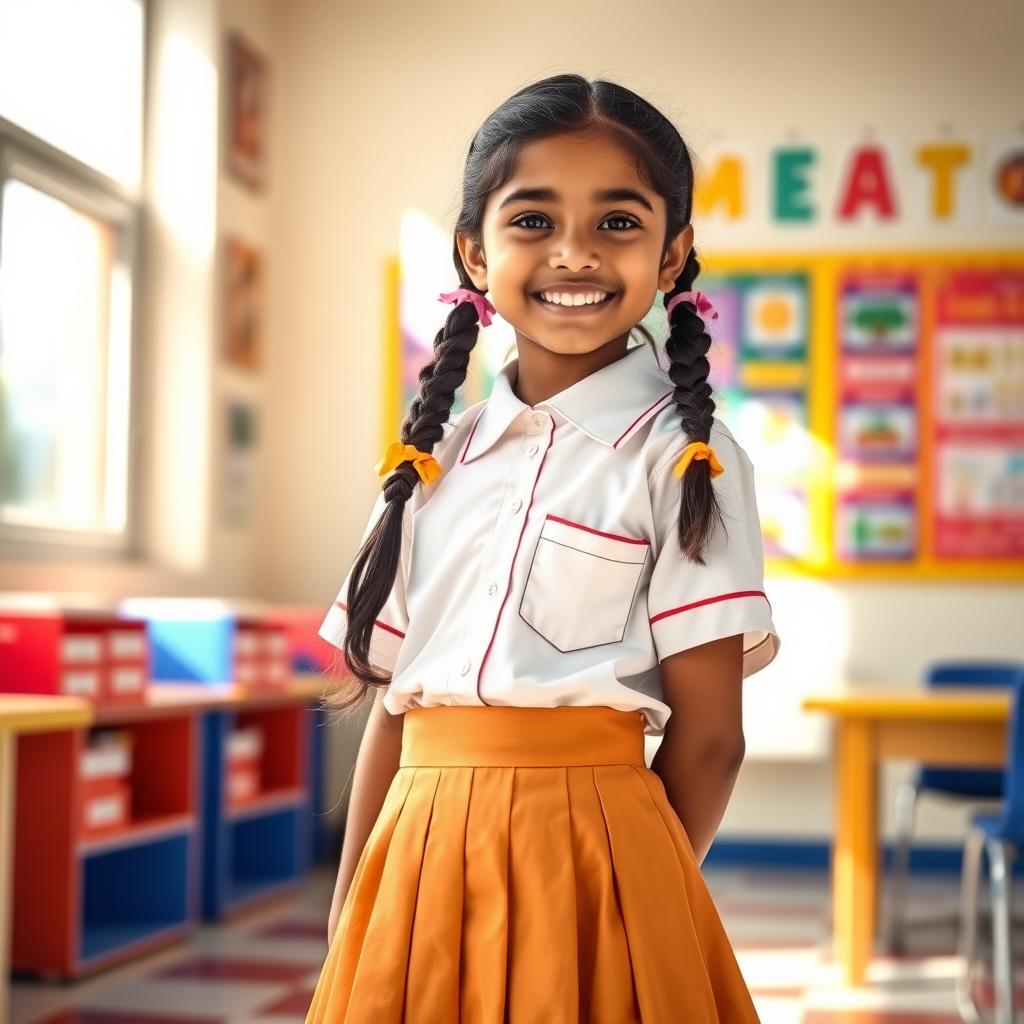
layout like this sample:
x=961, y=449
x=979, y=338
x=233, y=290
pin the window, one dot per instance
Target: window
x=70, y=149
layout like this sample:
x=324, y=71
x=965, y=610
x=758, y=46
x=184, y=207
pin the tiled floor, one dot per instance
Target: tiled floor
x=263, y=968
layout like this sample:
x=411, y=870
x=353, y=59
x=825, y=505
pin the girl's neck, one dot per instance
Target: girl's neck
x=541, y=373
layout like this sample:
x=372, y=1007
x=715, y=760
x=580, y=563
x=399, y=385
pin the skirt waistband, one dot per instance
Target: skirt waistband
x=525, y=737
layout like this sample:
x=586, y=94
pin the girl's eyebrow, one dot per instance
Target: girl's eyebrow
x=549, y=195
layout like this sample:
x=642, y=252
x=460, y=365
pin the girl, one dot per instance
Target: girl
x=545, y=579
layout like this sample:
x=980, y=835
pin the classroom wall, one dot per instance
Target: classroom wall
x=189, y=204
x=378, y=120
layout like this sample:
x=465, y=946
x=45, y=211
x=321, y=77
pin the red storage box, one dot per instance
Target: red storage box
x=106, y=807
x=127, y=656
x=262, y=656
x=243, y=753
x=105, y=771
x=61, y=644
x=277, y=657
x=248, y=654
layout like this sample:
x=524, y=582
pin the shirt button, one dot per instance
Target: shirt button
x=493, y=588
x=517, y=505
x=539, y=419
x=532, y=450
x=466, y=665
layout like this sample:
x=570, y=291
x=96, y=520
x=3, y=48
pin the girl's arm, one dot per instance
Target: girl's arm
x=703, y=746
x=376, y=765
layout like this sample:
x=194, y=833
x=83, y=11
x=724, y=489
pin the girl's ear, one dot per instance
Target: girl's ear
x=473, y=260
x=675, y=259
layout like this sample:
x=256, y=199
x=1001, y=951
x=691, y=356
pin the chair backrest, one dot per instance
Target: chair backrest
x=973, y=673
x=978, y=783
x=1013, y=785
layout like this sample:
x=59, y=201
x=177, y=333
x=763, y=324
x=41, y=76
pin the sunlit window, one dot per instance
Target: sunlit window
x=65, y=310
x=71, y=73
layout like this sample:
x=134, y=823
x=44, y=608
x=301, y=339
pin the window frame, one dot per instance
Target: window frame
x=25, y=157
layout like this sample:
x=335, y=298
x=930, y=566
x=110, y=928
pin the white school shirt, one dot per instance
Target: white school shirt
x=542, y=567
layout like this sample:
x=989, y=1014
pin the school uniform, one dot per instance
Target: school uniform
x=526, y=865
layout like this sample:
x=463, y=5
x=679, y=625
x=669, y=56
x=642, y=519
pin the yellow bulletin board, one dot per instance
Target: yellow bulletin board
x=881, y=398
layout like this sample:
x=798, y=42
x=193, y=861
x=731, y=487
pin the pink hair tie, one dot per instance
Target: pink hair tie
x=484, y=308
x=699, y=299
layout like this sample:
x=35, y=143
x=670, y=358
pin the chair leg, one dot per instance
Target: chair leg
x=893, y=932
x=1000, y=859
x=970, y=884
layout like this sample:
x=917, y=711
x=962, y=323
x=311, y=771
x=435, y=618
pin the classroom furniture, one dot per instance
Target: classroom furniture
x=86, y=903
x=257, y=849
x=953, y=726
x=949, y=783
x=1001, y=836
x=21, y=715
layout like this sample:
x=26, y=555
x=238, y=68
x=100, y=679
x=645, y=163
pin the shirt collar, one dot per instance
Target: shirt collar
x=609, y=405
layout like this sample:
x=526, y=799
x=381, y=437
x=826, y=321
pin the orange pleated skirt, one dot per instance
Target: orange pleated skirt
x=527, y=868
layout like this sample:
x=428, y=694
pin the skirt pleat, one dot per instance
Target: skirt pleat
x=527, y=868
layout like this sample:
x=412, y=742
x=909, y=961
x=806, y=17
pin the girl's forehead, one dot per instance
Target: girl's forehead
x=569, y=160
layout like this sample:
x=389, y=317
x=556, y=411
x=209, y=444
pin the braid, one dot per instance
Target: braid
x=377, y=562
x=687, y=348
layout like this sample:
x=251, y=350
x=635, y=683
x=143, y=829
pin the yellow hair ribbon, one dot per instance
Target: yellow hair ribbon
x=424, y=463
x=698, y=450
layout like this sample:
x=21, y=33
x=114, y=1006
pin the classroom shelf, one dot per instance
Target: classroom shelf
x=84, y=903
x=121, y=904
x=254, y=851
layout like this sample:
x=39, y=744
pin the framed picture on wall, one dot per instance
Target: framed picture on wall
x=238, y=466
x=246, y=118
x=243, y=305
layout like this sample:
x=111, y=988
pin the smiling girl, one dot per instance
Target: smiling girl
x=546, y=578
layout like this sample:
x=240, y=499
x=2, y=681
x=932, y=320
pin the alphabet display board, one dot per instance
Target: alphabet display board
x=881, y=398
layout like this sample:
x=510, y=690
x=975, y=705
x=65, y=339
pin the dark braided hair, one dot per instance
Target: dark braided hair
x=566, y=103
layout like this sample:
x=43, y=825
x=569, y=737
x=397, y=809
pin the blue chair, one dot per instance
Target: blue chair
x=949, y=783
x=1001, y=836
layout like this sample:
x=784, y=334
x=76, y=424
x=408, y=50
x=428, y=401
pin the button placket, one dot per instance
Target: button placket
x=497, y=567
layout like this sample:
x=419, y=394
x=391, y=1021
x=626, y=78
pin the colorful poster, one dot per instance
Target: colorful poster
x=759, y=372
x=877, y=416
x=978, y=424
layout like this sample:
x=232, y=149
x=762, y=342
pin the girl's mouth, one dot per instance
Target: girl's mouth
x=583, y=309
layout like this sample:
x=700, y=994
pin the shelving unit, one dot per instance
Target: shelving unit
x=83, y=904
x=255, y=851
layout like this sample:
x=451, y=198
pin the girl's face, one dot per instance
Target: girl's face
x=574, y=219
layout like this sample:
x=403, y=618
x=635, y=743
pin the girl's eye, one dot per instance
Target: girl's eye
x=520, y=221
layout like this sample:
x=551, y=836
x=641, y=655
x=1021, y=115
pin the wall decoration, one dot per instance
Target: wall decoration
x=239, y=462
x=977, y=425
x=243, y=305
x=246, y=115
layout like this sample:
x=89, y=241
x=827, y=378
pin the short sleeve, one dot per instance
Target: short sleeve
x=691, y=604
x=393, y=619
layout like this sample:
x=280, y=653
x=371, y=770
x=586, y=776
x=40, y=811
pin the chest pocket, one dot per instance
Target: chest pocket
x=581, y=585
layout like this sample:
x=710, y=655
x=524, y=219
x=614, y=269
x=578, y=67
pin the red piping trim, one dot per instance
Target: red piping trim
x=708, y=600
x=508, y=584
x=600, y=533
x=667, y=394
x=465, y=447
x=377, y=622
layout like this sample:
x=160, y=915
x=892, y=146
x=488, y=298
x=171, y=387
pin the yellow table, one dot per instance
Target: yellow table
x=949, y=727
x=23, y=712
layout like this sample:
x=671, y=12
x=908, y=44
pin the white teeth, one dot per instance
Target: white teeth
x=567, y=299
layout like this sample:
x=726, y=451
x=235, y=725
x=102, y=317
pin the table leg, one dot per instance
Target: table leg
x=855, y=854
x=8, y=748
